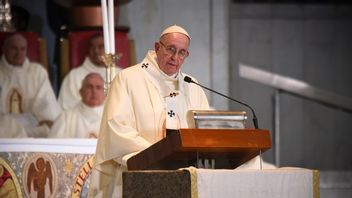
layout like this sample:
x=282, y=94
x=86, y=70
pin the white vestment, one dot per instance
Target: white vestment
x=10, y=128
x=69, y=91
x=27, y=95
x=255, y=164
x=79, y=122
x=134, y=117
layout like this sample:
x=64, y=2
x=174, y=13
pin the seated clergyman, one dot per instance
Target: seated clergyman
x=83, y=121
x=26, y=92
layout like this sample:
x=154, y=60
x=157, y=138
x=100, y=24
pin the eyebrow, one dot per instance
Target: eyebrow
x=173, y=45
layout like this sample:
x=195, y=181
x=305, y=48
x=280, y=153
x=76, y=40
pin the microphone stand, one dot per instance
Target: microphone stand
x=255, y=120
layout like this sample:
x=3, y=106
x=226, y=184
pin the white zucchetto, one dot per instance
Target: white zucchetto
x=175, y=29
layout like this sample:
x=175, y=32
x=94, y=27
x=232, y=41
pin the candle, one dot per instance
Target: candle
x=111, y=27
x=105, y=27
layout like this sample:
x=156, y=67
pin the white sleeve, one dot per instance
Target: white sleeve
x=45, y=105
x=118, y=136
x=59, y=127
x=69, y=92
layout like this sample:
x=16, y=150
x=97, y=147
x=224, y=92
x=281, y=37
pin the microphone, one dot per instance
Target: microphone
x=255, y=120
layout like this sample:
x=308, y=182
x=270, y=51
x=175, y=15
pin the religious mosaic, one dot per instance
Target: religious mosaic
x=15, y=101
x=40, y=176
x=46, y=174
x=9, y=185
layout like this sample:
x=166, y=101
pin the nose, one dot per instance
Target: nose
x=175, y=56
x=93, y=91
x=17, y=51
x=96, y=50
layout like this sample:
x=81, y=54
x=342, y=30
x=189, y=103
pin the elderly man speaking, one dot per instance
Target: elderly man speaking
x=142, y=102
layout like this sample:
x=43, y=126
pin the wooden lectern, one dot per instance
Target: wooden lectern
x=229, y=147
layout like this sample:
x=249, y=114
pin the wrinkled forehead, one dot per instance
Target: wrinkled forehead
x=15, y=40
x=96, y=39
x=93, y=78
x=175, y=38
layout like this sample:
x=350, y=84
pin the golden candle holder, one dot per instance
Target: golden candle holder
x=110, y=65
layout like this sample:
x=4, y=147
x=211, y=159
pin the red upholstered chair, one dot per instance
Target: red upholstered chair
x=37, y=50
x=74, y=49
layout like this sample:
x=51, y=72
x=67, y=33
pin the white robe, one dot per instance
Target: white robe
x=10, y=128
x=69, y=91
x=133, y=119
x=78, y=122
x=37, y=99
x=254, y=163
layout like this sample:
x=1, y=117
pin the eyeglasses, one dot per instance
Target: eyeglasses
x=171, y=50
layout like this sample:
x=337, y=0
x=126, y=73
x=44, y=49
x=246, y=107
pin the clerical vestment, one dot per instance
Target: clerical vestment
x=26, y=93
x=141, y=102
x=69, y=91
x=10, y=128
x=80, y=122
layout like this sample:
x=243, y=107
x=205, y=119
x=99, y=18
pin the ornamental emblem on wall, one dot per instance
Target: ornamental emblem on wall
x=15, y=101
x=81, y=185
x=9, y=185
x=40, y=176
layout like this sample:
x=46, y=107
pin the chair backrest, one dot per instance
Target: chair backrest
x=33, y=51
x=78, y=47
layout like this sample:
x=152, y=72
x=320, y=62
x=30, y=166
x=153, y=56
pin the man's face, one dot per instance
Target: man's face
x=171, y=51
x=96, y=50
x=15, y=50
x=92, y=91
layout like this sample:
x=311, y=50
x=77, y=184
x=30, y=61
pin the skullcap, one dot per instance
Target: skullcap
x=175, y=29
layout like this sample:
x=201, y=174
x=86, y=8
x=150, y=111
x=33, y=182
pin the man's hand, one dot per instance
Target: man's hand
x=92, y=135
x=46, y=122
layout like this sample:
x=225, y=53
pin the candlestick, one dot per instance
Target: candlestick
x=110, y=64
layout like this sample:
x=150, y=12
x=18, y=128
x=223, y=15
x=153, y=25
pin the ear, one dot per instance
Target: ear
x=81, y=93
x=156, y=46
